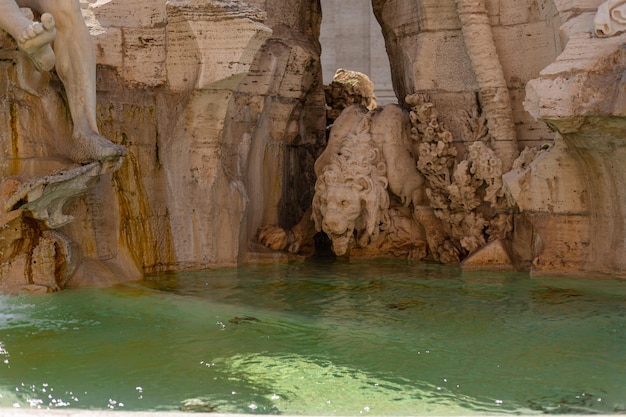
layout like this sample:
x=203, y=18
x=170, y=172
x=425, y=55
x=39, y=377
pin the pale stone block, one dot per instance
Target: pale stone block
x=435, y=15
x=586, y=80
x=583, y=50
x=530, y=132
x=569, y=6
x=203, y=52
x=295, y=78
x=134, y=14
x=514, y=13
x=524, y=50
x=109, y=47
x=564, y=244
x=553, y=183
x=493, y=8
x=144, y=56
x=268, y=70
x=441, y=62
x=493, y=257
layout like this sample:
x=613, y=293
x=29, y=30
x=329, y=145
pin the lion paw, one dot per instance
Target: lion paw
x=274, y=237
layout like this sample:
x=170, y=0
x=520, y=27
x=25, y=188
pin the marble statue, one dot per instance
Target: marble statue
x=357, y=171
x=75, y=64
x=610, y=18
x=366, y=180
x=348, y=87
x=390, y=181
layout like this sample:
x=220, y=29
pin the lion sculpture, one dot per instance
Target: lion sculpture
x=367, y=168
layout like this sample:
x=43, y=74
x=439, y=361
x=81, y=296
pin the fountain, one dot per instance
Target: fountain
x=213, y=101
x=293, y=247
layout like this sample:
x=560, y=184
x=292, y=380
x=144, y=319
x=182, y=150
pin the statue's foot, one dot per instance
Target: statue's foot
x=93, y=147
x=35, y=41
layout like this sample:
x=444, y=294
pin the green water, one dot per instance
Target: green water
x=332, y=338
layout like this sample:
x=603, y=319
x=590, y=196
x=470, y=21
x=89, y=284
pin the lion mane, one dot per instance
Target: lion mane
x=360, y=165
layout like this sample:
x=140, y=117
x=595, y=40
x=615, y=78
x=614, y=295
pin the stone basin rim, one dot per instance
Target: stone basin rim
x=24, y=412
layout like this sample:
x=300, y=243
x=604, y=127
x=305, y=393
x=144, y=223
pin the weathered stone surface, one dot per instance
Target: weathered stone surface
x=44, y=197
x=427, y=54
x=33, y=254
x=366, y=181
x=221, y=107
x=493, y=256
x=553, y=183
x=580, y=219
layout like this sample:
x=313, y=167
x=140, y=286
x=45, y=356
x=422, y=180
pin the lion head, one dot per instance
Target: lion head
x=351, y=195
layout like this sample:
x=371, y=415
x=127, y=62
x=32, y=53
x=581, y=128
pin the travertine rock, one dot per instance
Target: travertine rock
x=222, y=109
x=427, y=48
x=368, y=157
x=579, y=218
x=492, y=88
x=33, y=254
x=179, y=166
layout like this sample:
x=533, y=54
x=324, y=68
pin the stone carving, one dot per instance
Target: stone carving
x=467, y=197
x=179, y=86
x=571, y=196
x=367, y=183
x=347, y=88
x=45, y=197
x=221, y=106
x=368, y=179
x=610, y=19
x=75, y=64
x=35, y=257
x=492, y=84
x=37, y=188
x=357, y=171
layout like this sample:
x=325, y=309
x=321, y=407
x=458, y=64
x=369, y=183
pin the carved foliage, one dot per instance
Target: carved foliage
x=467, y=196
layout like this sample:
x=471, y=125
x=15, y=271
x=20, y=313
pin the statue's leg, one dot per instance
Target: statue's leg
x=33, y=38
x=76, y=66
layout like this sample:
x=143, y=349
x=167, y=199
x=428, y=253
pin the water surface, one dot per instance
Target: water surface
x=322, y=337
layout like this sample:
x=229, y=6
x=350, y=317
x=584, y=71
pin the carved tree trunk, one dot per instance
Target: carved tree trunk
x=493, y=91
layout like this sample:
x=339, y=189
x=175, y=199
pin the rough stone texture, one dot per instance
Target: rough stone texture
x=221, y=106
x=427, y=54
x=214, y=106
x=581, y=96
x=179, y=84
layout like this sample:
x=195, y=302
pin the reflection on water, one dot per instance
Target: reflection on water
x=331, y=338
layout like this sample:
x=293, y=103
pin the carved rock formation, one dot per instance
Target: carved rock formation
x=577, y=215
x=492, y=87
x=222, y=109
x=36, y=257
x=181, y=85
x=466, y=195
